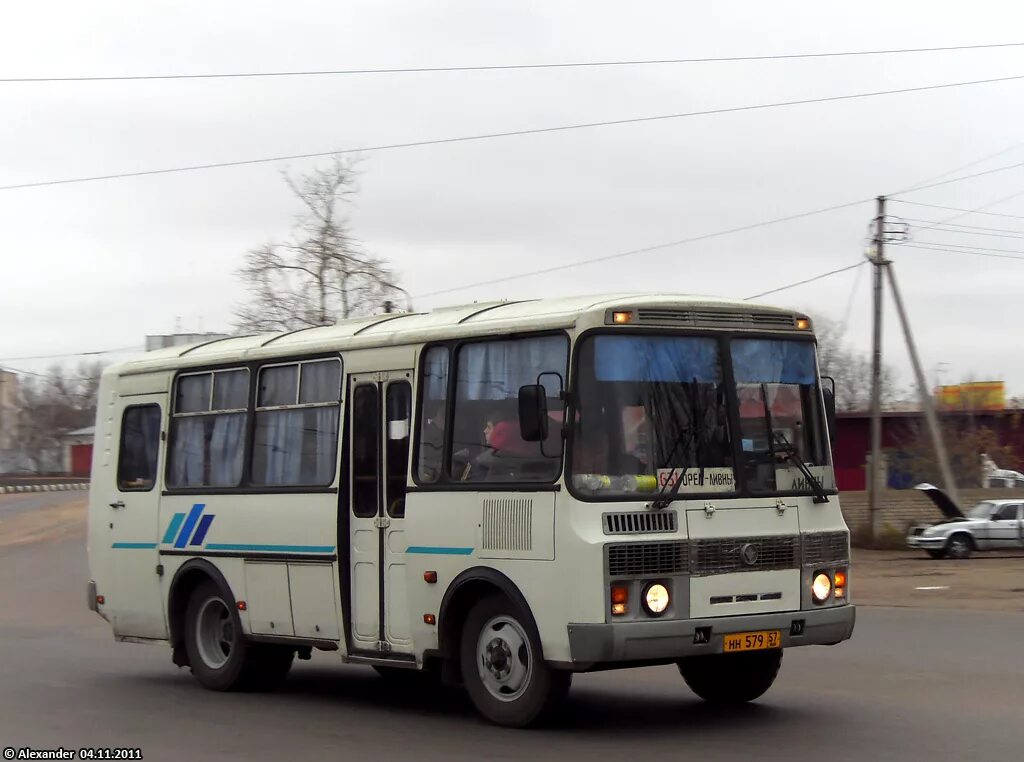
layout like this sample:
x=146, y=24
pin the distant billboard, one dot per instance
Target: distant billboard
x=975, y=395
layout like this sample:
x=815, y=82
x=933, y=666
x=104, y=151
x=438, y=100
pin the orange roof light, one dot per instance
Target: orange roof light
x=803, y=324
x=621, y=318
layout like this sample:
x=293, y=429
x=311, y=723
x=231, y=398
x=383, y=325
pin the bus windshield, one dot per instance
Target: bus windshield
x=780, y=414
x=654, y=409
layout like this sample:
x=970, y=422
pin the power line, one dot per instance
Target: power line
x=967, y=229
x=849, y=302
x=534, y=131
x=20, y=371
x=947, y=182
x=804, y=282
x=959, y=251
x=968, y=247
x=72, y=354
x=644, y=250
x=977, y=209
x=970, y=164
x=506, y=67
x=959, y=209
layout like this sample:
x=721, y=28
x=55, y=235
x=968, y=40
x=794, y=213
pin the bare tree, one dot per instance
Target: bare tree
x=321, y=274
x=851, y=370
x=50, y=406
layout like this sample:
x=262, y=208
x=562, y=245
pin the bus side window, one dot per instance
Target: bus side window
x=140, y=444
x=398, y=402
x=433, y=408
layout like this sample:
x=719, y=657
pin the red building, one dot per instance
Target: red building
x=853, y=440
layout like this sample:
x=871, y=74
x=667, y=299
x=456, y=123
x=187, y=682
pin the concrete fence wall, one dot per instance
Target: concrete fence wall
x=900, y=508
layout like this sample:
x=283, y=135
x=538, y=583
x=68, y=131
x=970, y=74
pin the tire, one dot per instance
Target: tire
x=937, y=553
x=221, y=658
x=503, y=666
x=959, y=546
x=731, y=678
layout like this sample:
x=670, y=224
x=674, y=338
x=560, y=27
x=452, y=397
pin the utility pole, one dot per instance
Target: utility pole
x=883, y=267
x=878, y=261
x=927, y=404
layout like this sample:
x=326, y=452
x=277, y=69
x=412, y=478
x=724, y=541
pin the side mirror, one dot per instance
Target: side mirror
x=829, y=394
x=533, y=413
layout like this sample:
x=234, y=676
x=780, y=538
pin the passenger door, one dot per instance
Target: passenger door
x=1005, y=527
x=380, y=415
x=136, y=606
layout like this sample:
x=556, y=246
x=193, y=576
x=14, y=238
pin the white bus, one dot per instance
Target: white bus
x=499, y=494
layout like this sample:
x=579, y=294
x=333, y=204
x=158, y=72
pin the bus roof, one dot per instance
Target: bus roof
x=475, y=319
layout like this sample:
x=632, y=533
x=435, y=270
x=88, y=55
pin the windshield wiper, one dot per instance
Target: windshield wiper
x=667, y=495
x=789, y=452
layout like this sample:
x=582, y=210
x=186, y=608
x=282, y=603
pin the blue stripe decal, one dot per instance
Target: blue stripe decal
x=271, y=548
x=190, y=524
x=173, y=528
x=204, y=527
x=436, y=551
x=134, y=545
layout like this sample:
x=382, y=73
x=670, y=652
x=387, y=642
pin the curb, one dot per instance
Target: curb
x=44, y=487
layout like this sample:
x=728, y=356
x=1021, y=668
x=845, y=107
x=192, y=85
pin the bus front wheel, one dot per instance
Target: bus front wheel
x=731, y=678
x=221, y=657
x=503, y=667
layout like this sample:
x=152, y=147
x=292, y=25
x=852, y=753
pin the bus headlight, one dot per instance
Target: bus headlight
x=656, y=599
x=821, y=586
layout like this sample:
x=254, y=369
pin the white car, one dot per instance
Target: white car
x=990, y=525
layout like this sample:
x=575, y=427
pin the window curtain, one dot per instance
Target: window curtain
x=495, y=370
x=187, y=452
x=226, y=449
x=773, y=361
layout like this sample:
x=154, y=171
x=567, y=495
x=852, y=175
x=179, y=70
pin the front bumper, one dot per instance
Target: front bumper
x=591, y=644
x=920, y=541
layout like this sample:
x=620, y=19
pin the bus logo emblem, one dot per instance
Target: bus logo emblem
x=749, y=554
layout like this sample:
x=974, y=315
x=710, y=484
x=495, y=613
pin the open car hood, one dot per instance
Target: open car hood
x=944, y=502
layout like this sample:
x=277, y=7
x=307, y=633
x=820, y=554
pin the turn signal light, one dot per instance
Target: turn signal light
x=242, y=606
x=619, y=318
x=840, y=590
x=620, y=597
x=429, y=619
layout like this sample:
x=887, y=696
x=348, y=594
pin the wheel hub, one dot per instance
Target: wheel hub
x=499, y=658
x=504, y=658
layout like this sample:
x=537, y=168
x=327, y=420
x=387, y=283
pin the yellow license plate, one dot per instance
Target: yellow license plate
x=752, y=641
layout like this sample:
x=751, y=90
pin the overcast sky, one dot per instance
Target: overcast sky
x=98, y=265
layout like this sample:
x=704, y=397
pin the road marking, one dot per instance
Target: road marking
x=933, y=587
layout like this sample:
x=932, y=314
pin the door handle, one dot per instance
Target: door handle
x=118, y=504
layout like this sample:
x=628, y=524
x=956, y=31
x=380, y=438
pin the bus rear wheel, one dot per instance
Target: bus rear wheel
x=221, y=657
x=503, y=667
x=731, y=678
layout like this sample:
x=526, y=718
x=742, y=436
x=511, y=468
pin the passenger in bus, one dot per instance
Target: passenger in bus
x=505, y=452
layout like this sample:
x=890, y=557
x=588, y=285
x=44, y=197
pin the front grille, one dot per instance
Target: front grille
x=656, y=316
x=826, y=547
x=726, y=554
x=637, y=559
x=771, y=319
x=639, y=522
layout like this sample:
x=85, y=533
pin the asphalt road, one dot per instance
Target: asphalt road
x=912, y=684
